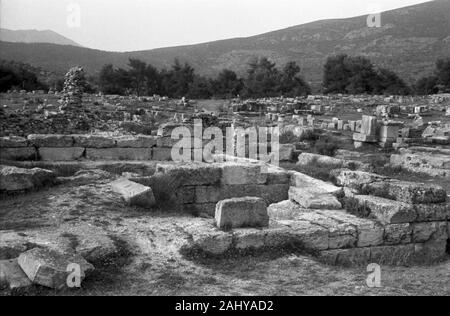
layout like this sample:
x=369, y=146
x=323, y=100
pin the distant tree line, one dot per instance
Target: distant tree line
x=263, y=79
x=19, y=76
x=357, y=75
x=438, y=82
x=342, y=74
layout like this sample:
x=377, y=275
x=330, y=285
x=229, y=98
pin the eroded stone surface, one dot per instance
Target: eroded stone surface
x=50, y=268
x=241, y=213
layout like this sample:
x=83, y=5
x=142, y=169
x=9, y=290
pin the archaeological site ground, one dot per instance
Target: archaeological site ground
x=310, y=161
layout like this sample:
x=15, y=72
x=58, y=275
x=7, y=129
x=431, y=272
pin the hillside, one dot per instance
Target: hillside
x=409, y=42
x=34, y=36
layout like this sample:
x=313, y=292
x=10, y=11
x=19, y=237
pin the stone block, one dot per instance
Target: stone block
x=195, y=174
x=140, y=141
x=162, y=154
x=248, y=239
x=241, y=213
x=13, y=142
x=300, y=180
x=93, y=141
x=12, y=276
x=355, y=179
x=286, y=152
x=60, y=154
x=237, y=173
x=51, y=140
x=408, y=192
x=396, y=234
x=134, y=193
x=310, y=199
x=387, y=211
x=424, y=232
x=19, y=179
x=18, y=154
x=50, y=269
x=140, y=154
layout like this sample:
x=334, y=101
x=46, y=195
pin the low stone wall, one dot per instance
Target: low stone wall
x=77, y=147
x=97, y=147
x=381, y=221
x=199, y=187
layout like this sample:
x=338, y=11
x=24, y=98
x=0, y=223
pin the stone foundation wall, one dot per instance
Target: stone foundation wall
x=199, y=187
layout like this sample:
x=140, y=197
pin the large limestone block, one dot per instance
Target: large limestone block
x=12, y=276
x=195, y=174
x=93, y=141
x=341, y=234
x=162, y=154
x=432, y=212
x=50, y=268
x=18, y=154
x=303, y=181
x=408, y=192
x=13, y=142
x=396, y=234
x=241, y=213
x=310, y=236
x=370, y=233
x=276, y=175
x=134, y=193
x=423, y=232
x=238, y=173
x=311, y=199
x=207, y=238
x=140, y=141
x=51, y=140
x=285, y=210
x=119, y=153
x=60, y=154
x=355, y=179
x=18, y=179
x=387, y=211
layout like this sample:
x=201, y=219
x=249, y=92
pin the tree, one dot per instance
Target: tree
x=443, y=74
x=427, y=85
x=227, y=84
x=357, y=75
x=390, y=83
x=177, y=80
x=292, y=84
x=137, y=74
x=262, y=79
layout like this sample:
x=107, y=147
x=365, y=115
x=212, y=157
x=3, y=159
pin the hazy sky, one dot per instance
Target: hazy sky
x=127, y=25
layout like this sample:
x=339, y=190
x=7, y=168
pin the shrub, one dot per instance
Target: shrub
x=327, y=146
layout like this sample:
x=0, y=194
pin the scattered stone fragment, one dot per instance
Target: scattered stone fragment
x=19, y=179
x=12, y=276
x=134, y=193
x=50, y=268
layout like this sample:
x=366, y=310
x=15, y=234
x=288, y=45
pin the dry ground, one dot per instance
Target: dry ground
x=150, y=264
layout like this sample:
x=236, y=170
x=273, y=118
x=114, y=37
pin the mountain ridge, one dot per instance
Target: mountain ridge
x=409, y=42
x=35, y=36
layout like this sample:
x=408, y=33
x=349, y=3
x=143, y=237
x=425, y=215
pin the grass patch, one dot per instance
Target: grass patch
x=353, y=206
